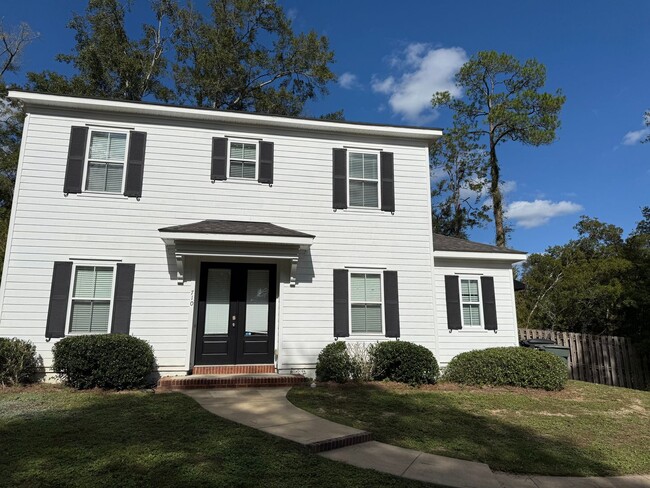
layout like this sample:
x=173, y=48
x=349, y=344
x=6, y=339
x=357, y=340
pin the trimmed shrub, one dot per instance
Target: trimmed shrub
x=508, y=366
x=18, y=362
x=334, y=363
x=404, y=362
x=110, y=361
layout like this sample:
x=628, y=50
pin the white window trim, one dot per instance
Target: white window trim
x=87, y=160
x=349, y=178
x=257, y=159
x=96, y=263
x=381, y=303
x=476, y=278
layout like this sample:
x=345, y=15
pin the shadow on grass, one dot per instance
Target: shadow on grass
x=63, y=438
x=436, y=424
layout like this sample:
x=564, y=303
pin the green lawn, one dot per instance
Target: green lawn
x=53, y=436
x=585, y=430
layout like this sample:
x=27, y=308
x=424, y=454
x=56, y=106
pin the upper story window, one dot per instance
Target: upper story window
x=243, y=160
x=106, y=161
x=363, y=173
x=92, y=294
x=471, y=302
x=365, y=303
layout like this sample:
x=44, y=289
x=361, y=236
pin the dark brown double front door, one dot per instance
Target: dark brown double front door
x=236, y=320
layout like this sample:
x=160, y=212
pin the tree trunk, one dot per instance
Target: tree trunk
x=497, y=200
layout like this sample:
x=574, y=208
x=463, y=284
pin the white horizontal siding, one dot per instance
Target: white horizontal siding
x=449, y=344
x=48, y=226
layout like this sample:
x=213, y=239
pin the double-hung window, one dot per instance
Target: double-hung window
x=471, y=302
x=243, y=160
x=91, y=299
x=363, y=171
x=365, y=303
x=106, y=161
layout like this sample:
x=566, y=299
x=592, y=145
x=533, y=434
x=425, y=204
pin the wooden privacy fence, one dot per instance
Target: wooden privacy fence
x=607, y=360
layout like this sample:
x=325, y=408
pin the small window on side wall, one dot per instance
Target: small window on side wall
x=106, y=161
x=470, y=302
x=243, y=160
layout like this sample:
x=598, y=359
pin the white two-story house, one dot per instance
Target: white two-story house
x=232, y=238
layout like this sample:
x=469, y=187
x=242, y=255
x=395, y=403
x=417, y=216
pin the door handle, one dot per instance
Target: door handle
x=234, y=317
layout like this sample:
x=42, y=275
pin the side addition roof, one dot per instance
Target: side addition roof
x=453, y=247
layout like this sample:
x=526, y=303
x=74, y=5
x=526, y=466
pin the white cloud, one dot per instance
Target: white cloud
x=292, y=13
x=539, y=212
x=635, y=136
x=349, y=81
x=506, y=188
x=423, y=70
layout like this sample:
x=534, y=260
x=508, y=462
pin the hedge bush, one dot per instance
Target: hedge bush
x=508, y=366
x=404, y=362
x=110, y=361
x=18, y=362
x=334, y=363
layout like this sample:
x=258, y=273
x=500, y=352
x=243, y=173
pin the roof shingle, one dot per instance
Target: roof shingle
x=446, y=243
x=235, y=227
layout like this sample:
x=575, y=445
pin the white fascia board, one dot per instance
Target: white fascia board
x=171, y=237
x=138, y=108
x=483, y=256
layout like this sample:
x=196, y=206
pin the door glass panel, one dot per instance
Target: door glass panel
x=257, y=302
x=217, y=306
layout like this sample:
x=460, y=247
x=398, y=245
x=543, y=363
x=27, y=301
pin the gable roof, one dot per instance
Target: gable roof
x=140, y=108
x=235, y=227
x=455, y=244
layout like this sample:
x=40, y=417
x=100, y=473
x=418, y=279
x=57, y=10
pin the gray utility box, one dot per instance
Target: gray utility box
x=549, y=346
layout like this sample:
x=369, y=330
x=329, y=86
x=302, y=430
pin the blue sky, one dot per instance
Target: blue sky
x=391, y=56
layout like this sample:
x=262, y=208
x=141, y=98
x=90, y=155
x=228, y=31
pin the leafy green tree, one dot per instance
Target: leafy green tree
x=458, y=169
x=245, y=56
x=636, y=321
x=107, y=61
x=503, y=102
x=597, y=283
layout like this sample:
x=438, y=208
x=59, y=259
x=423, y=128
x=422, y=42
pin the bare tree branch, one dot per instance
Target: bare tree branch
x=12, y=45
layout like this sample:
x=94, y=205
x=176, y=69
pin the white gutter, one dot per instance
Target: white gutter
x=171, y=237
x=484, y=256
x=156, y=110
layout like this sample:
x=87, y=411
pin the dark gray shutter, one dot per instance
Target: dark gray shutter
x=135, y=164
x=387, y=182
x=391, y=304
x=341, y=303
x=219, y=158
x=340, y=178
x=59, y=294
x=453, y=302
x=74, y=171
x=123, y=298
x=266, y=163
x=489, y=302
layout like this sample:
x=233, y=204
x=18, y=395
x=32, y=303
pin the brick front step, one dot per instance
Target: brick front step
x=192, y=382
x=235, y=369
x=338, y=442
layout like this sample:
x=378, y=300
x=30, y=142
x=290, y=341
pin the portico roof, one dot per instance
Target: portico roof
x=235, y=239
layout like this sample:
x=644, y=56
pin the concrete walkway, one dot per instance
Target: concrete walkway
x=268, y=410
